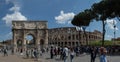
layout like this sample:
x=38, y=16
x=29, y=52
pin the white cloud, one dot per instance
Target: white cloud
x=64, y=18
x=111, y=23
x=16, y=15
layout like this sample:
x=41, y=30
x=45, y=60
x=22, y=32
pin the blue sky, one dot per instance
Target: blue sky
x=58, y=13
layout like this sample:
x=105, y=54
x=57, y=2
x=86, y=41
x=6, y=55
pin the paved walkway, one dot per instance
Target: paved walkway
x=84, y=58
x=16, y=58
x=46, y=58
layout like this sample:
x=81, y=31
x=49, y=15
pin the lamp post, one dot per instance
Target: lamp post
x=114, y=31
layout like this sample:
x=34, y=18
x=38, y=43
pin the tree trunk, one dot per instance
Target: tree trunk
x=103, y=35
x=85, y=35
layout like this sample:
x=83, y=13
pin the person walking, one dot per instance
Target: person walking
x=51, y=52
x=93, y=53
x=35, y=52
x=72, y=53
x=103, y=53
x=5, y=52
x=65, y=53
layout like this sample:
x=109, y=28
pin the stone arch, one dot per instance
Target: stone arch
x=30, y=43
x=38, y=30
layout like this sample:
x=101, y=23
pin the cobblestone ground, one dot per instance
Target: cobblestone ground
x=46, y=58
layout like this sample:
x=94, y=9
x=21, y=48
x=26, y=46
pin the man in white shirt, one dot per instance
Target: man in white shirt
x=65, y=52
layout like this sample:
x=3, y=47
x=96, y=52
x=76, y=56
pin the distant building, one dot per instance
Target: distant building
x=116, y=39
x=7, y=42
x=71, y=37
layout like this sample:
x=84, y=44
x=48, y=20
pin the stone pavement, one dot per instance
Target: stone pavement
x=84, y=58
x=46, y=58
x=16, y=58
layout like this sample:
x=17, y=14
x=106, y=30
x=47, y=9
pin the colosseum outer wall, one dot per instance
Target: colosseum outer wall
x=69, y=36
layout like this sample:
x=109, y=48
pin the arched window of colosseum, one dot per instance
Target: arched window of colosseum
x=69, y=43
x=62, y=37
x=73, y=43
x=55, y=38
x=69, y=37
x=61, y=43
x=55, y=43
x=83, y=36
x=89, y=37
x=73, y=36
x=77, y=43
x=80, y=43
x=58, y=43
x=77, y=37
x=65, y=43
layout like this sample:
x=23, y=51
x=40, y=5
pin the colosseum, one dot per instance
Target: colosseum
x=71, y=37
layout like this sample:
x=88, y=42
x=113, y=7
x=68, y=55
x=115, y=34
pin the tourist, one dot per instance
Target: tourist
x=5, y=52
x=61, y=53
x=35, y=52
x=12, y=51
x=27, y=53
x=65, y=53
x=103, y=53
x=21, y=51
x=51, y=52
x=72, y=53
x=93, y=53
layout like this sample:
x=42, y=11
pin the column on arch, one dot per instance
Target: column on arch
x=14, y=43
x=24, y=46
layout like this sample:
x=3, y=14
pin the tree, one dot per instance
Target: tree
x=106, y=9
x=111, y=8
x=83, y=20
x=100, y=10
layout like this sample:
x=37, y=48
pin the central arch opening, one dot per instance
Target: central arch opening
x=30, y=41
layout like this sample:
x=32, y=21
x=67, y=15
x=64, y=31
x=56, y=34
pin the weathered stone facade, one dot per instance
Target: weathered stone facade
x=71, y=37
x=43, y=36
x=38, y=29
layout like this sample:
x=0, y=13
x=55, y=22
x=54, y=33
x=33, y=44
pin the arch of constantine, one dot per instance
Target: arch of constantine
x=37, y=29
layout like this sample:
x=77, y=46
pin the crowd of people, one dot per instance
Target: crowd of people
x=93, y=51
x=68, y=52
